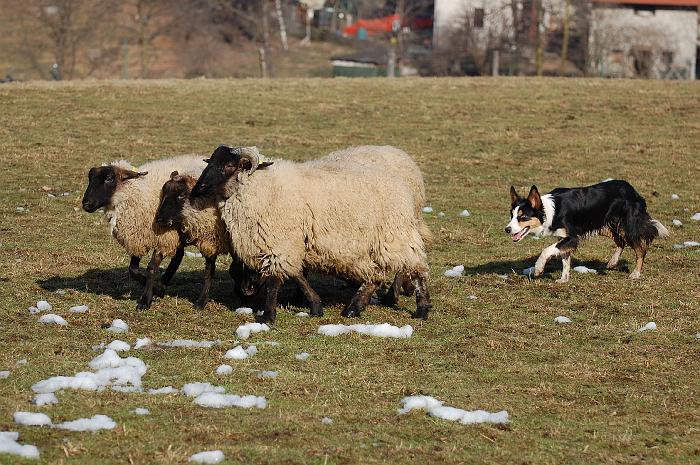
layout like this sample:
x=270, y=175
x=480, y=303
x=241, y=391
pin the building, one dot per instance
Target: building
x=644, y=38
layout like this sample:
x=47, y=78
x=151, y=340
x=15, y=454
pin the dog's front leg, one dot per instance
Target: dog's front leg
x=549, y=252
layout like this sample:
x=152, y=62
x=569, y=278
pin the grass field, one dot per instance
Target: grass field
x=594, y=391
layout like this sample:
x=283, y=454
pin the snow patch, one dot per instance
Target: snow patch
x=454, y=272
x=22, y=361
x=192, y=254
x=562, y=320
x=217, y=400
x=326, y=421
x=244, y=311
x=302, y=314
x=118, y=326
x=677, y=223
x=144, y=342
x=189, y=343
x=4, y=374
x=695, y=217
x=244, y=331
x=224, y=369
x=43, y=306
x=651, y=326
x=209, y=457
x=48, y=398
x=141, y=411
x=96, y=423
x=465, y=213
x=529, y=271
x=52, y=319
x=9, y=445
x=302, y=357
x=378, y=330
x=435, y=408
x=583, y=269
x=163, y=390
x=32, y=419
x=675, y=197
x=269, y=374
x=427, y=209
x=118, y=346
x=239, y=353
x=78, y=309
x=196, y=389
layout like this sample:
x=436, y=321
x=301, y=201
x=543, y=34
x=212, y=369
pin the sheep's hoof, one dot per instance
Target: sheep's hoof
x=389, y=299
x=159, y=291
x=265, y=319
x=351, y=311
x=200, y=304
x=143, y=305
x=316, y=309
x=422, y=312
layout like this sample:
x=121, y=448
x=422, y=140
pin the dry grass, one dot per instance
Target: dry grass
x=594, y=391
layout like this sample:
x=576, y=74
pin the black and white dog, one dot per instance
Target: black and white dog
x=611, y=208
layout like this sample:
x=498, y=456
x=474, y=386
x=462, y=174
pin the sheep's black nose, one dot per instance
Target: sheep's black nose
x=508, y=230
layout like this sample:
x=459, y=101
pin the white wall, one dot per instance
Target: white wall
x=616, y=31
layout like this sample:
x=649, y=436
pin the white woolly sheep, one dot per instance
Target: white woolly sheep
x=340, y=219
x=130, y=198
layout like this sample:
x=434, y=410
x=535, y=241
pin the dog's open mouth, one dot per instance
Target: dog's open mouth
x=520, y=234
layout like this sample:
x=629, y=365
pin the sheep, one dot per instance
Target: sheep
x=201, y=226
x=341, y=219
x=130, y=198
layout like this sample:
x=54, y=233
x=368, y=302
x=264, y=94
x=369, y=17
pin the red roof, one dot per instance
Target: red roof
x=660, y=3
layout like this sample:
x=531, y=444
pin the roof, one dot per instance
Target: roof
x=660, y=3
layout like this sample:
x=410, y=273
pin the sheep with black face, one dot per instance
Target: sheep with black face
x=350, y=221
x=130, y=197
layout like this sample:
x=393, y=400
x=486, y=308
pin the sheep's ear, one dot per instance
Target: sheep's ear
x=514, y=197
x=174, y=175
x=534, y=198
x=265, y=164
x=128, y=174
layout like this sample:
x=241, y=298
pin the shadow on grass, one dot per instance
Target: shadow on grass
x=554, y=265
x=116, y=283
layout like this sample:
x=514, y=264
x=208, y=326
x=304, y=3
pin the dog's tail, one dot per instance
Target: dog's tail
x=661, y=230
x=640, y=226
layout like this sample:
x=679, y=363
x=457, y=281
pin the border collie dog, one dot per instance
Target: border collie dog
x=611, y=208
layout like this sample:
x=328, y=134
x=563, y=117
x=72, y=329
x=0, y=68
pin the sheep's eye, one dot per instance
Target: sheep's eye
x=182, y=196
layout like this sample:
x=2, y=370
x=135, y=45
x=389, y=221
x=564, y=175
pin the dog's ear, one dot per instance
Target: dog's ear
x=534, y=198
x=514, y=197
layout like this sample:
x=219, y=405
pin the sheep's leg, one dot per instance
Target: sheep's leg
x=136, y=273
x=270, y=312
x=152, y=273
x=407, y=286
x=360, y=300
x=209, y=271
x=173, y=265
x=391, y=297
x=310, y=295
x=423, y=305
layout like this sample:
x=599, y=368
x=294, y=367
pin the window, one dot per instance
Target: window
x=667, y=57
x=478, y=18
x=644, y=10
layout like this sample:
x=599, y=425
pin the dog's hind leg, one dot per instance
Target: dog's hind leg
x=641, y=251
x=566, y=246
x=620, y=243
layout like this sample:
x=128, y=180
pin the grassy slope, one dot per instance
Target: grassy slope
x=588, y=392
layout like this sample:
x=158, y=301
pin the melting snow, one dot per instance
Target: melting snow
x=676, y=222
x=145, y=342
x=696, y=217
x=52, y=319
x=303, y=356
x=33, y=310
x=583, y=269
x=22, y=361
x=237, y=353
x=141, y=411
x=651, y=326
x=244, y=311
x=379, y=330
x=244, y=331
x=441, y=215
x=302, y=314
x=675, y=196
x=224, y=369
x=427, y=209
x=217, y=400
x=269, y=374
x=118, y=326
x=32, y=419
x=326, y=421
x=4, y=374
x=96, y=423
x=163, y=390
x=48, y=398
x=529, y=271
x=189, y=343
x=465, y=213
x=118, y=346
x=78, y=309
x=43, y=306
x=192, y=254
x=9, y=445
x=562, y=320
x=195, y=389
x=454, y=272
x=435, y=408
x=209, y=457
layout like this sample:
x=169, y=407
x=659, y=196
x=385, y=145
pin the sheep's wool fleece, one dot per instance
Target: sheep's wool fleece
x=337, y=218
x=205, y=229
x=132, y=212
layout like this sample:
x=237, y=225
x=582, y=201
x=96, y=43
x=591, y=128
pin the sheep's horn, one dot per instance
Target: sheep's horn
x=251, y=154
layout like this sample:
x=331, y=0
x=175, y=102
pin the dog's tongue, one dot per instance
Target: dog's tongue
x=519, y=235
